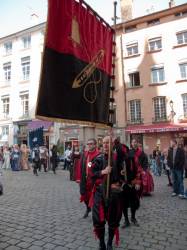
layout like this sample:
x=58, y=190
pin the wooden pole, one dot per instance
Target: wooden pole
x=112, y=107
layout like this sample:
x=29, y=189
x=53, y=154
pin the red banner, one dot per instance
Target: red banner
x=77, y=65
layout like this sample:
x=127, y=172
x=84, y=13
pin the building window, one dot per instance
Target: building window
x=25, y=64
x=183, y=70
x=160, y=109
x=6, y=106
x=24, y=104
x=134, y=79
x=135, y=111
x=182, y=37
x=132, y=49
x=157, y=75
x=184, y=98
x=8, y=48
x=153, y=22
x=7, y=71
x=155, y=44
x=26, y=40
x=180, y=14
x=5, y=131
x=130, y=29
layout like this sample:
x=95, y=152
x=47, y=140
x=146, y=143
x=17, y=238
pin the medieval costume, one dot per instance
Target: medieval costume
x=75, y=167
x=132, y=188
x=15, y=158
x=6, y=158
x=103, y=208
x=147, y=179
x=86, y=184
x=24, y=162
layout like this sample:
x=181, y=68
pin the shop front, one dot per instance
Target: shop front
x=159, y=135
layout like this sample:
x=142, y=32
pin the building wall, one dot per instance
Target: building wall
x=170, y=56
x=17, y=85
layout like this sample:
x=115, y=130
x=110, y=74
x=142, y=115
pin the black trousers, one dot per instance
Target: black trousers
x=131, y=199
x=36, y=166
x=102, y=212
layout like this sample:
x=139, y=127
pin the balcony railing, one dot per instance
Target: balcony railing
x=160, y=119
x=135, y=121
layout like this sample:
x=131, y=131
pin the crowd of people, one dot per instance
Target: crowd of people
x=110, y=183
x=21, y=157
x=112, y=177
x=172, y=162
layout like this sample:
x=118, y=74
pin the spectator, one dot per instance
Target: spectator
x=67, y=157
x=36, y=159
x=176, y=160
x=54, y=158
x=166, y=167
x=158, y=160
x=6, y=157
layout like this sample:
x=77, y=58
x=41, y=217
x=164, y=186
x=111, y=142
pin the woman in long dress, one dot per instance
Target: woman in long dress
x=24, y=157
x=15, y=158
x=6, y=158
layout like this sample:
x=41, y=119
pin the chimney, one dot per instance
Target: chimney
x=126, y=10
x=34, y=19
x=171, y=3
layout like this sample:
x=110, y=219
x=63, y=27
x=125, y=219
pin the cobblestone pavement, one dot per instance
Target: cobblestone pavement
x=44, y=212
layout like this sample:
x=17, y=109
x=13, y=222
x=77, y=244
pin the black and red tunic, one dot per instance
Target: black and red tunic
x=86, y=183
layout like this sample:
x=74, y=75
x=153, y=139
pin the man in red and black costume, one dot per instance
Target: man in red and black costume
x=107, y=208
x=132, y=188
x=86, y=184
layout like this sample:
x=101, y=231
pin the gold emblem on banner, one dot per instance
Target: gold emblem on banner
x=86, y=77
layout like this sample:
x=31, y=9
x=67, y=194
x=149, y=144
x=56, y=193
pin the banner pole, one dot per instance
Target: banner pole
x=112, y=103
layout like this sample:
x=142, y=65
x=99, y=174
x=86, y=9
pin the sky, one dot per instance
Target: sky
x=15, y=15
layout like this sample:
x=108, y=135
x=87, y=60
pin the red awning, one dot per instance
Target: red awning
x=38, y=124
x=155, y=128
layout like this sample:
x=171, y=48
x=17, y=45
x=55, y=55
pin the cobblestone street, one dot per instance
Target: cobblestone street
x=44, y=212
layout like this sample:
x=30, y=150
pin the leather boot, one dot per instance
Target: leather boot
x=86, y=213
x=111, y=233
x=101, y=235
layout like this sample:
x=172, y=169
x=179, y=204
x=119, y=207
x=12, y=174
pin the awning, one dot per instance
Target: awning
x=155, y=128
x=38, y=124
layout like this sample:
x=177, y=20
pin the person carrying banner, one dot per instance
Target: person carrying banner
x=86, y=182
x=133, y=185
x=107, y=208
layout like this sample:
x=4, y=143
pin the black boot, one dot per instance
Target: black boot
x=100, y=232
x=133, y=218
x=126, y=223
x=111, y=233
x=87, y=212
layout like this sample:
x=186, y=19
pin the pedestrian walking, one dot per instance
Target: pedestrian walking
x=107, y=209
x=24, y=161
x=44, y=157
x=86, y=184
x=54, y=158
x=75, y=165
x=67, y=157
x=133, y=186
x=166, y=167
x=36, y=159
x=176, y=160
x=6, y=157
x=15, y=158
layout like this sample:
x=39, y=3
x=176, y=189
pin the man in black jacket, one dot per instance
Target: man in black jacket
x=176, y=163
